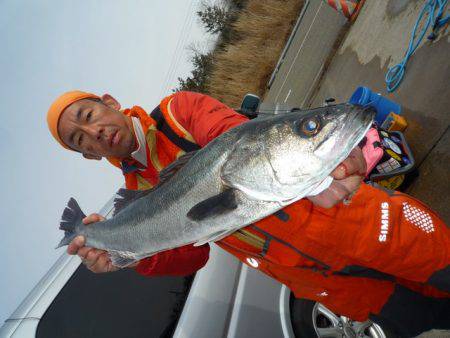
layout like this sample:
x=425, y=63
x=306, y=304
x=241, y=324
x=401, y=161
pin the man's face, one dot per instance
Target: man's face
x=97, y=129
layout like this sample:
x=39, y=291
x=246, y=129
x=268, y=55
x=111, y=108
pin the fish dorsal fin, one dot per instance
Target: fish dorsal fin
x=173, y=168
x=213, y=206
x=126, y=197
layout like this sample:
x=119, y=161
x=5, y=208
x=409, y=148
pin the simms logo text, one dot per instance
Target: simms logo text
x=384, y=222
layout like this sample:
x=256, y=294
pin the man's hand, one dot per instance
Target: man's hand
x=347, y=179
x=95, y=260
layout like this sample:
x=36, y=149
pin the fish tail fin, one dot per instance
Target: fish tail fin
x=71, y=220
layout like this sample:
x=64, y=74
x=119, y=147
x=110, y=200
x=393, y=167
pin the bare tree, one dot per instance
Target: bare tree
x=215, y=16
x=202, y=62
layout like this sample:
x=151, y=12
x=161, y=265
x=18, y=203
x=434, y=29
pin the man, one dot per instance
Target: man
x=351, y=257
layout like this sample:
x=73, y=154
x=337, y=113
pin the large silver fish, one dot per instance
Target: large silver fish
x=242, y=176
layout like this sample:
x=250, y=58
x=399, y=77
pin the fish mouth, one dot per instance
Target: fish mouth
x=357, y=124
x=348, y=128
x=368, y=114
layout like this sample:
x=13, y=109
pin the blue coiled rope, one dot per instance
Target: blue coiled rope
x=433, y=10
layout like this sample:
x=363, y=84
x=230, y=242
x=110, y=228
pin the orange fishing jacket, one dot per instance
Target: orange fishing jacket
x=350, y=258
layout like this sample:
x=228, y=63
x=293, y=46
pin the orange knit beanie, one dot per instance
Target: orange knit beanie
x=57, y=108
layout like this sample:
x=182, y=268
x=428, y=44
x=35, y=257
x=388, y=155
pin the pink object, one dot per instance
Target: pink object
x=372, y=151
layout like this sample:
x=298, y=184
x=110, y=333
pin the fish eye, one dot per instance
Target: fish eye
x=309, y=126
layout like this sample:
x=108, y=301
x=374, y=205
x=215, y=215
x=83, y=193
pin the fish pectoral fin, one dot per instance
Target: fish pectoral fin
x=213, y=206
x=217, y=236
x=122, y=259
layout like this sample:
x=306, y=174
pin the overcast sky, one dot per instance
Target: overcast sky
x=131, y=49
